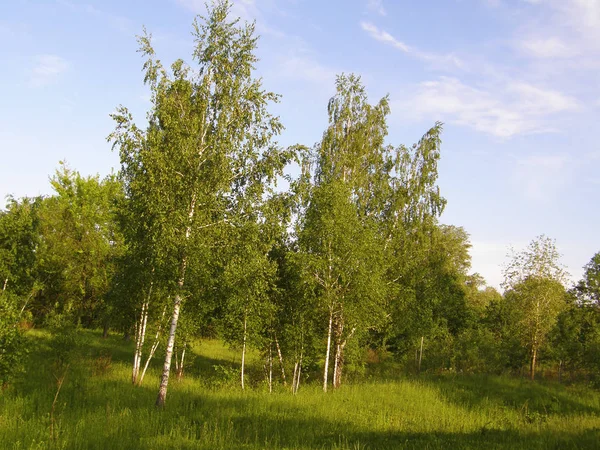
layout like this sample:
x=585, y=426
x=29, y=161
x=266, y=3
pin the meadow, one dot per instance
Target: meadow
x=98, y=408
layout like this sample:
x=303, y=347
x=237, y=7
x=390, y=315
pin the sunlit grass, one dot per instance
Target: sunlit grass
x=99, y=408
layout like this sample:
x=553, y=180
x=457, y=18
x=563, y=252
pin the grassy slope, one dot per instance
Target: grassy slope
x=98, y=408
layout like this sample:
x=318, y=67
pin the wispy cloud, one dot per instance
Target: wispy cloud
x=376, y=6
x=550, y=47
x=503, y=111
x=47, y=69
x=306, y=68
x=247, y=10
x=568, y=29
x=432, y=58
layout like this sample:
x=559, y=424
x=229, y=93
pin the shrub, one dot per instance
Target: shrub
x=12, y=341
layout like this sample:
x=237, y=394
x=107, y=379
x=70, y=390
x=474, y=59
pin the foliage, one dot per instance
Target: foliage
x=13, y=346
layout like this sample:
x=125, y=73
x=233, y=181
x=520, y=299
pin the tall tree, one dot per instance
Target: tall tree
x=79, y=245
x=209, y=139
x=339, y=239
x=534, y=280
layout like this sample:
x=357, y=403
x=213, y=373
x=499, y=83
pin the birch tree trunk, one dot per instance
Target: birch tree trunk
x=421, y=354
x=533, y=361
x=339, y=360
x=280, y=360
x=299, y=374
x=244, y=350
x=153, y=349
x=139, y=338
x=180, y=367
x=326, y=369
x=270, y=367
x=164, y=381
x=294, y=377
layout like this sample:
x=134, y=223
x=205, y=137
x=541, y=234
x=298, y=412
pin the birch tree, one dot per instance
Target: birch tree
x=338, y=237
x=208, y=128
x=534, y=280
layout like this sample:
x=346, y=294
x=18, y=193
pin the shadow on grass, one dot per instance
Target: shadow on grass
x=218, y=420
x=523, y=395
x=105, y=412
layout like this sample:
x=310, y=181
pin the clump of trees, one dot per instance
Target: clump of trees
x=348, y=261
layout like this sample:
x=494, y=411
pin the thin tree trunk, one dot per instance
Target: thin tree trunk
x=153, y=349
x=280, y=359
x=533, y=361
x=244, y=350
x=5, y=283
x=336, y=364
x=326, y=369
x=150, y=356
x=270, y=367
x=560, y=371
x=339, y=360
x=294, y=377
x=299, y=373
x=421, y=354
x=164, y=381
x=180, y=368
x=339, y=330
x=139, y=339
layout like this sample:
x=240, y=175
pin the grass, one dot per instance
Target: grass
x=98, y=408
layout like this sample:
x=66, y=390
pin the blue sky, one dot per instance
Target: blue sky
x=514, y=81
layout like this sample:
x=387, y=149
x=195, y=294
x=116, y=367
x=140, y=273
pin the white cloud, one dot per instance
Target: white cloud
x=376, y=6
x=384, y=36
x=535, y=101
x=308, y=69
x=503, y=111
x=581, y=14
x=576, y=22
x=247, y=10
x=433, y=58
x=552, y=47
x=47, y=70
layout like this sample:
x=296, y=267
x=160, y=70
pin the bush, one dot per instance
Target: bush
x=12, y=341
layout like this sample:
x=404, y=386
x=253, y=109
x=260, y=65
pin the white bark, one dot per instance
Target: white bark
x=297, y=381
x=270, y=367
x=326, y=369
x=153, y=349
x=162, y=391
x=164, y=382
x=421, y=353
x=180, y=368
x=294, y=377
x=244, y=350
x=280, y=360
x=139, y=339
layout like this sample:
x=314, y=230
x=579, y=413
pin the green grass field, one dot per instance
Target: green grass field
x=98, y=408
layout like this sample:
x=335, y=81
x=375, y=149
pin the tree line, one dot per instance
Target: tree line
x=319, y=257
